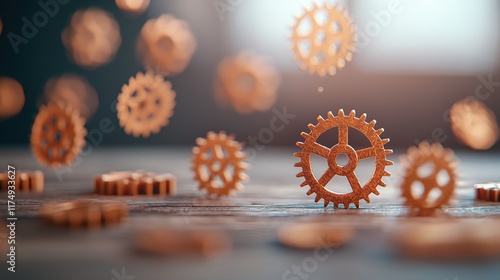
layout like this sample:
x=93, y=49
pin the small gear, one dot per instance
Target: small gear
x=474, y=124
x=166, y=44
x=488, y=192
x=214, y=158
x=310, y=146
x=57, y=136
x=145, y=104
x=248, y=82
x=11, y=98
x=323, y=45
x=416, y=162
x=25, y=181
x=83, y=213
x=135, y=183
x=92, y=37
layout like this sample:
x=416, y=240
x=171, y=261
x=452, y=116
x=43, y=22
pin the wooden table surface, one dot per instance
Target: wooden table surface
x=272, y=198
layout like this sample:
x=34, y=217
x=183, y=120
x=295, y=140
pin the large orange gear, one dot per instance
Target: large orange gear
x=166, y=44
x=325, y=45
x=145, y=104
x=417, y=159
x=310, y=146
x=247, y=82
x=214, y=158
x=58, y=135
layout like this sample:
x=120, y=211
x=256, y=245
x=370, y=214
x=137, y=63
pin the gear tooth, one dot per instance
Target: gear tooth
x=239, y=186
x=300, y=174
x=330, y=115
x=387, y=174
x=375, y=192
x=303, y=184
x=326, y=203
x=388, y=162
x=352, y=114
x=320, y=119
x=201, y=141
x=346, y=205
x=341, y=113
x=363, y=117
x=356, y=204
x=385, y=141
x=388, y=152
x=367, y=199
x=298, y=154
x=311, y=126
x=298, y=164
x=380, y=131
x=318, y=198
x=305, y=135
x=372, y=123
x=309, y=192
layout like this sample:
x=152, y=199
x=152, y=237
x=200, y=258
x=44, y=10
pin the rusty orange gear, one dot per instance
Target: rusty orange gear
x=488, y=192
x=329, y=43
x=474, y=124
x=11, y=98
x=145, y=104
x=213, y=159
x=247, y=82
x=25, y=181
x=418, y=158
x=310, y=146
x=57, y=136
x=135, y=183
x=92, y=37
x=83, y=213
x=166, y=44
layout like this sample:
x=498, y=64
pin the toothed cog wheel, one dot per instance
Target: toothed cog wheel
x=323, y=39
x=214, y=159
x=145, y=104
x=310, y=146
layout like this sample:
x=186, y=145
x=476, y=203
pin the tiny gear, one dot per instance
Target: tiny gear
x=416, y=164
x=58, y=135
x=135, y=183
x=488, y=192
x=25, y=181
x=247, y=82
x=214, y=158
x=166, y=44
x=145, y=104
x=310, y=146
x=323, y=45
x=83, y=213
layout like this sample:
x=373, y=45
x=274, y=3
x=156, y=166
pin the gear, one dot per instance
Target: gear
x=145, y=104
x=92, y=37
x=248, y=82
x=488, y=192
x=133, y=6
x=25, y=181
x=135, y=183
x=213, y=159
x=57, y=136
x=474, y=124
x=82, y=213
x=323, y=45
x=440, y=159
x=166, y=44
x=11, y=98
x=310, y=146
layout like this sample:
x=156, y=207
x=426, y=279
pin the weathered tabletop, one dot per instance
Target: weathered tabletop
x=271, y=199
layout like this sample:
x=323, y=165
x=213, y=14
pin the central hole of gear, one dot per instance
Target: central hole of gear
x=246, y=83
x=342, y=160
x=165, y=44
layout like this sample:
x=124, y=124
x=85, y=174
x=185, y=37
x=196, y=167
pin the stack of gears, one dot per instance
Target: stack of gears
x=135, y=183
x=488, y=192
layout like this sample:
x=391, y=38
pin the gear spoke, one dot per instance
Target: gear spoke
x=326, y=177
x=343, y=134
x=354, y=182
x=366, y=153
x=320, y=150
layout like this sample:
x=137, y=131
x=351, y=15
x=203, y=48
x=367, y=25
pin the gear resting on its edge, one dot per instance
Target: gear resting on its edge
x=215, y=157
x=145, y=104
x=310, y=146
x=417, y=159
x=58, y=135
x=329, y=43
